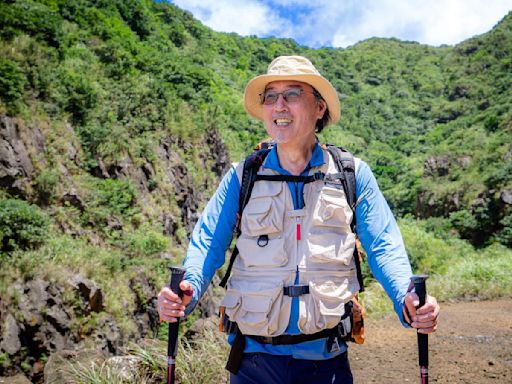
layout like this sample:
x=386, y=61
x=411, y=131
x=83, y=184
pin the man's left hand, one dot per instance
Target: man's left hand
x=424, y=319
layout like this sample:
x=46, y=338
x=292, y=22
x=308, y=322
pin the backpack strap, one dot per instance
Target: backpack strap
x=252, y=164
x=345, y=164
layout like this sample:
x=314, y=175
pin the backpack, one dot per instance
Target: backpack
x=344, y=161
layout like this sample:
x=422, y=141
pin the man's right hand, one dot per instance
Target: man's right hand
x=170, y=306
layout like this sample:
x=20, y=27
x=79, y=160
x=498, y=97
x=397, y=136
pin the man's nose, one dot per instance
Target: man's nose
x=280, y=103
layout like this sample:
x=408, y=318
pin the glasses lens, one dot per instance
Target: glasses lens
x=291, y=95
x=270, y=97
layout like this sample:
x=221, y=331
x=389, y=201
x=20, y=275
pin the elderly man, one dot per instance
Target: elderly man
x=296, y=271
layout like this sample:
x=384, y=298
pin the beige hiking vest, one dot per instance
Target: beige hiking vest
x=276, y=241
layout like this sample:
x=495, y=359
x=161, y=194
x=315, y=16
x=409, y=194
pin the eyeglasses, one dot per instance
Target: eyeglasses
x=291, y=95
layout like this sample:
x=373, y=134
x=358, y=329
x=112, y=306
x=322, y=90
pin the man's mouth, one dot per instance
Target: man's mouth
x=282, y=122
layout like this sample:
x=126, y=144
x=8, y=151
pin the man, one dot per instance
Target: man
x=296, y=270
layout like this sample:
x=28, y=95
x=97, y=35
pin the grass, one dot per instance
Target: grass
x=457, y=272
x=200, y=359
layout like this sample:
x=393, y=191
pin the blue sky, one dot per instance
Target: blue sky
x=317, y=23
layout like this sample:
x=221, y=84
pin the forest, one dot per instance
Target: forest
x=118, y=118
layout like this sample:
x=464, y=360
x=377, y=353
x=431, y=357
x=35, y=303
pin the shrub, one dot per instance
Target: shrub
x=12, y=81
x=504, y=236
x=22, y=226
x=146, y=242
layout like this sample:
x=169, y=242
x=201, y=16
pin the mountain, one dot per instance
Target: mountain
x=117, y=119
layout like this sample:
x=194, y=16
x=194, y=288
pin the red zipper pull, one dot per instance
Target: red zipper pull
x=298, y=231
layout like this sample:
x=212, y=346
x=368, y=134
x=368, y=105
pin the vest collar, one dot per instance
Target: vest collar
x=317, y=160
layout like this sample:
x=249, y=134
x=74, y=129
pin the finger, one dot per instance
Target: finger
x=431, y=305
x=188, y=292
x=428, y=330
x=424, y=324
x=168, y=294
x=411, y=301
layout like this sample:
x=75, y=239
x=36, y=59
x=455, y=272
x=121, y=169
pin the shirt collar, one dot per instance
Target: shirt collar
x=317, y=159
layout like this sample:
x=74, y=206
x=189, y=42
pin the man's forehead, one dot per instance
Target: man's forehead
x=286, y=84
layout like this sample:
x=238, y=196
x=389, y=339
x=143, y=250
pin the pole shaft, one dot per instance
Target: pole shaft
x=421, y=290
x=177, y=274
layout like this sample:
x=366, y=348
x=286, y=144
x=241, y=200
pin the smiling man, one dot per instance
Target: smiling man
x=290, y=295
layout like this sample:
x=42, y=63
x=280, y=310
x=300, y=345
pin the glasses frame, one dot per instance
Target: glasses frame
x=301, y=91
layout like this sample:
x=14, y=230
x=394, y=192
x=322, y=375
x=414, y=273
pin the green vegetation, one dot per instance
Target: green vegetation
x=22, y=226
x=125, y=106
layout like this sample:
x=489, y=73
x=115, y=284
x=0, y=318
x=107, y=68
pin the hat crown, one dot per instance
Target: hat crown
x=291, y=65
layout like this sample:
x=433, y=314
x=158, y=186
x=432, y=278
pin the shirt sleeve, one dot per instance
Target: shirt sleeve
x=212, y=236
x=381, y=238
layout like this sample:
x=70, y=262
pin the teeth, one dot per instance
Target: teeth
x=283, y=121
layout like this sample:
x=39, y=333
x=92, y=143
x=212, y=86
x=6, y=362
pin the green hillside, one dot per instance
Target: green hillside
x=118, y=117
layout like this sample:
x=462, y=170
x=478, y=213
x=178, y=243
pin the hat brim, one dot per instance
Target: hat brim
x=257, y=85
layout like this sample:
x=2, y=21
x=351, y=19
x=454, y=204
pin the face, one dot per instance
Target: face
x=292, y=121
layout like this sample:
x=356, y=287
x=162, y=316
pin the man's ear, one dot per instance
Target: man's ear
x=322, y=107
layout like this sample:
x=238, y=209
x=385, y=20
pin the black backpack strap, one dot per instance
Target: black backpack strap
x=345, y=164
x=251, y=166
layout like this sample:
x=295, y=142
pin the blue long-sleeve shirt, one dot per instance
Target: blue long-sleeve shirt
x=376, y=229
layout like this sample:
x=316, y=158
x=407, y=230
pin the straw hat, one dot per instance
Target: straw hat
x=291, y=68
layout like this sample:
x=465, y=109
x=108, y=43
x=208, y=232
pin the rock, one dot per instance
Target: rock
x=506, y=196
x=146, y=314
x=57, y=369
x=90, y=293
x=18, y=379
x=114, y=223
x=218, y=152
x=464, y=161
x=108, y=335
x=59, y=318
x=15, y=164
x=436, y=166
x=74, y=199
x=125, y=367
x=10, y=336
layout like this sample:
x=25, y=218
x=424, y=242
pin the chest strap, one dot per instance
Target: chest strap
x=317, y=176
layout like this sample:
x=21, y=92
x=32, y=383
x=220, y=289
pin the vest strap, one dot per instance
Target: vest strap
x=236, y=354
x=293, y=339
x=296, y=290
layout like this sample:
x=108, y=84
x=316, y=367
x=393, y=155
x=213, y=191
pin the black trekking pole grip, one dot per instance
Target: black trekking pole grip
x=421, y=290
x=177, y=274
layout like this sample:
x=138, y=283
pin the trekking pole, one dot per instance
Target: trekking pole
x=421, y=291
x=172, y=341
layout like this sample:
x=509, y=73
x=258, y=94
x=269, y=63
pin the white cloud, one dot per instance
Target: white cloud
x=432, y=22
x=342, y=23
x=243, y=17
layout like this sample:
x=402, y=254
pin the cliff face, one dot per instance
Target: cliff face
x=43, y=312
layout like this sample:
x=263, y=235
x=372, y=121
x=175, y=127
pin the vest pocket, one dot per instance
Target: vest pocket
x=328, y=247
x=262, y=253
x=262, y=214
x=256, y=313
x=325, y=304
x=332, y=209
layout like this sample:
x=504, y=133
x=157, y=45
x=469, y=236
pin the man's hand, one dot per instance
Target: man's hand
x=170, y=306
x=425, y=318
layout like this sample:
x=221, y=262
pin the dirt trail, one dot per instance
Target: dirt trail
x=473, y=344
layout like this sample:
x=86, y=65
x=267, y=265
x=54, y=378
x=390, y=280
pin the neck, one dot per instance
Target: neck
x=294, y=159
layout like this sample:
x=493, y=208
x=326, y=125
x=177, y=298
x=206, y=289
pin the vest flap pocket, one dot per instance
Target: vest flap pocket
x=231, y=299
x=328, y=247
x=266, y=188
x=325, y=304
x=262, y=252
x=258, y=206
x=261, y=312
x=256, y=303
x=332, y=209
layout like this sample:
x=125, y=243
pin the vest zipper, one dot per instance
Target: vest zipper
x=297, y=219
